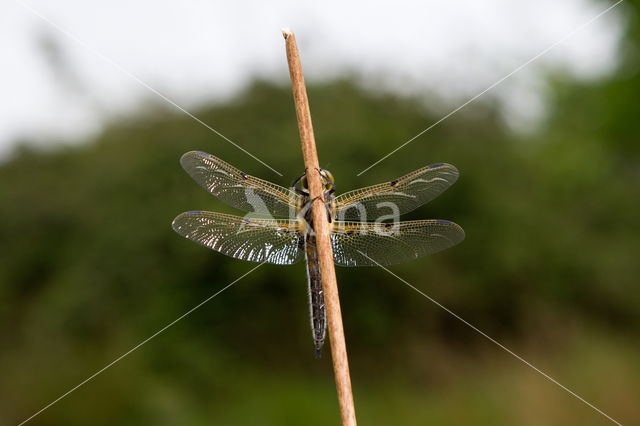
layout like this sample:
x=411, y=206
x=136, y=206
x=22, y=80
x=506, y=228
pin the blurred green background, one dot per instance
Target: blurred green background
x=90, y=267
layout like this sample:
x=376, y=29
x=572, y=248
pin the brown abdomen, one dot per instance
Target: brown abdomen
x=317, y=309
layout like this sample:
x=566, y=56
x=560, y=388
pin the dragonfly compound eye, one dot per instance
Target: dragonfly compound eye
x=327, y=179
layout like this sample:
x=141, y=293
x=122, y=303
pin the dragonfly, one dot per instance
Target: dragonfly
x=278, y=228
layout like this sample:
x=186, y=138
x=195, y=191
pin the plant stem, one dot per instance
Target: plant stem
x=322, y=232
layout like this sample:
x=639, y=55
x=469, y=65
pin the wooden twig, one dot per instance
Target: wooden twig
x=322, y=232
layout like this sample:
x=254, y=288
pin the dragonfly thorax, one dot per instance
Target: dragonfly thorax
x=328, y=189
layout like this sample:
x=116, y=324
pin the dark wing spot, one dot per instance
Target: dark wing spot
x=245, y=220
x=194, y=212
x=388, y=225
x=244, y=175
x=433, y=166
x=202, y=153
x=393, y=182
x=286, y=231
x=443, y=222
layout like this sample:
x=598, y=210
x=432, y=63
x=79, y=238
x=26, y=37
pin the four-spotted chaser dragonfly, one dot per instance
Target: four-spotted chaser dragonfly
x=279, y=230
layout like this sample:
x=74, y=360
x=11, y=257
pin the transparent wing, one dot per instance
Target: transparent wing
x=364, y=244
x=258, y=240
x=406, y=193
x=238, y=189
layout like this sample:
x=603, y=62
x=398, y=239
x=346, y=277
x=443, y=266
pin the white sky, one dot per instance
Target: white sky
x=195, y=51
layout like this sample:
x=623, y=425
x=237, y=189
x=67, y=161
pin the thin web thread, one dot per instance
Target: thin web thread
x=543, y=52
x=500, y=345
x=135, y=347
x=141, y=82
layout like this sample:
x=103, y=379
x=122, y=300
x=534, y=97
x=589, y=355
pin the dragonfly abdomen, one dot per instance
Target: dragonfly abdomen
x=317, y=310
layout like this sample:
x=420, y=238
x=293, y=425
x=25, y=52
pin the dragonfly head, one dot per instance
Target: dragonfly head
x=328, y=181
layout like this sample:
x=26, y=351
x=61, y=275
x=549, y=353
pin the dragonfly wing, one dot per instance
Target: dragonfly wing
x=239, y=189
x=278, y=241
x=370, y=244
x=398, y=196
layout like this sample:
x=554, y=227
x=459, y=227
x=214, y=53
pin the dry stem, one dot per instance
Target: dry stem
x=321, y=228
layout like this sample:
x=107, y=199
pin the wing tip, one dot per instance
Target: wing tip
x=443, y=166
x=189, y=213
x=188, y=156
x=462, y=235
x=175, y=224
x=435, y=165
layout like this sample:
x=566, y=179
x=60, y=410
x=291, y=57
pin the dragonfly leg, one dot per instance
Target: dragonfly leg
x=299, y=191
x=298, y=179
